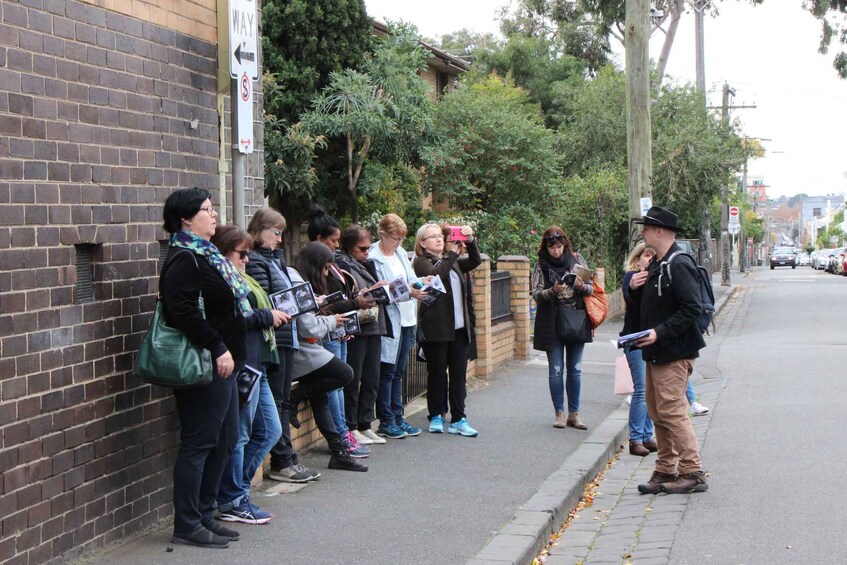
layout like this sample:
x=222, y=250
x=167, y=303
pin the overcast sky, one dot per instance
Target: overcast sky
x=768, y=54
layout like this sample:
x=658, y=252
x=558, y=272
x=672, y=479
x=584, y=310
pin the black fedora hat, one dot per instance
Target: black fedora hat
x=660, y=217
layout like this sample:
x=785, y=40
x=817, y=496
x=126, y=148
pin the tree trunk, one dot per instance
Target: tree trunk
x=638, y=127
x=675, y=9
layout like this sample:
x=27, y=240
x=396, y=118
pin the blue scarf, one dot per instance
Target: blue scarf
x=204, y=248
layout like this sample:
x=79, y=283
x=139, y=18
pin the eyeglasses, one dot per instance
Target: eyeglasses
x=275, y=231
x=363, y=248
x=209, y=210
x=434, y=236
x=394, y=237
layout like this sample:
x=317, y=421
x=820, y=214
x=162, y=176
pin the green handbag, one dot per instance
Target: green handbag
x=168, y=358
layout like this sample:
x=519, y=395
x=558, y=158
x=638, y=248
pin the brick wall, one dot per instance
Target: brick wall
x=96, y=104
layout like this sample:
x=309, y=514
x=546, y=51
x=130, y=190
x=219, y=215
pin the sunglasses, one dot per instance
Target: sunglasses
x=552, y=240
x=243, y=254
x=363, y=248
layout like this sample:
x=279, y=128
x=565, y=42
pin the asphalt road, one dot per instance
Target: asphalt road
x=775, y=447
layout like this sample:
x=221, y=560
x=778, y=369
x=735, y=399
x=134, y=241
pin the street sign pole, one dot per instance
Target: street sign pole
x=243, y=70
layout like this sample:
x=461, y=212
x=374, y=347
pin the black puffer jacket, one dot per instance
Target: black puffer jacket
x=671, y=314
x=259, y=267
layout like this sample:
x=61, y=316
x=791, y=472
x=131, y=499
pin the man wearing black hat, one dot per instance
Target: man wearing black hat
x=668, y=307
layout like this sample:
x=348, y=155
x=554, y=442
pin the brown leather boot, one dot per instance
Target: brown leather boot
x=654, y=485
x=637, y=448
x=651, y=445
x=575, y=422
x=559, y=422
x=689, y=482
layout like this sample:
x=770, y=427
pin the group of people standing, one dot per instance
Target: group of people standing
x=215, y=287
x=660, y=362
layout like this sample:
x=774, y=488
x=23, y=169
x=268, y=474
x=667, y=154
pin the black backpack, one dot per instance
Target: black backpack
x=706, y=317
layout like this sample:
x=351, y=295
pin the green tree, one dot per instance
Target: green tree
x=833, y=17
x=304, y=41
x=382, y=110
x=492, y=150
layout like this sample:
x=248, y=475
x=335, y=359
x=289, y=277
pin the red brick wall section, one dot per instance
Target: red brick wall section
x=95, y=108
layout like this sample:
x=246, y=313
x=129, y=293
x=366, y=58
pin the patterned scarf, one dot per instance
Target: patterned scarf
x=262, y=301
x=200, y=246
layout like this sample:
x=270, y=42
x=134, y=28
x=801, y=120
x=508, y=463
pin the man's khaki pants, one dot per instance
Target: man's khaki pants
x=668, y=408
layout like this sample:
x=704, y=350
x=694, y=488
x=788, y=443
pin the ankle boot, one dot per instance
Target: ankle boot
x=341, y=460
x=575, y=422
x=294, y=402
x=637, y=448
x=559, y=422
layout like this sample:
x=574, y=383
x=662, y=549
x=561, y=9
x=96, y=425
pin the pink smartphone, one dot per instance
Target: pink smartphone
x=456, y=234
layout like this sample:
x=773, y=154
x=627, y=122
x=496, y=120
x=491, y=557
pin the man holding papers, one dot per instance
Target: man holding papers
x=667, y=308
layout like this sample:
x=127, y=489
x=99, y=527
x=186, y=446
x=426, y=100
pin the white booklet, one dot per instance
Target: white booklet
x=296, y=300
x=624, y=340
x=434, y=289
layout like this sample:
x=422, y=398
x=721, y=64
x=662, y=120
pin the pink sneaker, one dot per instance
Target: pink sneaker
x=351, y=439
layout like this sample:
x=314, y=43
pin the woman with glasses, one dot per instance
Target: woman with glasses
x=267, y=267
x=208, y=415
x=364, y=350
x=259, y=425
x=554, y=283
x=392, y=262
x=444, y=327
x=325, y=229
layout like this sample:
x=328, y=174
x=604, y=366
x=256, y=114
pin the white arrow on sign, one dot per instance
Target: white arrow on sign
x=243, y=39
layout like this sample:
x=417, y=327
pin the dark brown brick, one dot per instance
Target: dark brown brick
x=20, y=104
x=58, y=172
x=35, y=170
x=11, y=169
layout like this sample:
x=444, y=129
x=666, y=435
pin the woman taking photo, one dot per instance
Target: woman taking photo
x=364, y=350
x=640, y=425
x=267, y=267
x=259, y=426
x=555, y=285
x=208, y=415
x=444, y=324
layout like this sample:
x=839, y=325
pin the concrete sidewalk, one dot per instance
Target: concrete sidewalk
x=435, y=498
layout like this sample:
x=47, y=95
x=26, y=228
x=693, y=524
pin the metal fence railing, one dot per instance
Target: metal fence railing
x=414, y=382
x=501, y=296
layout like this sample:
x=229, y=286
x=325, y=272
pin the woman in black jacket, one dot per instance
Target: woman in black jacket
x=444, y=325
x=208, y=415
x=557, y=261
x=267, y=267
x=365, y=349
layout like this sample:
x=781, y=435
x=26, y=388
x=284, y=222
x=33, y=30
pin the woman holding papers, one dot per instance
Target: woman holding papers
x=640, y=426
x=364, y=350
x=392, y=263
x=555, y=286
x=444, y=327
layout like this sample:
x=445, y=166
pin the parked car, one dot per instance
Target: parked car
x=803, y=259
x=783, y=257
x=836, y=265
x=821, y=259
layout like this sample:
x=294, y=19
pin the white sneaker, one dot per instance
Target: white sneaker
x=372, y=436
x=362, y=438
x=698, y=409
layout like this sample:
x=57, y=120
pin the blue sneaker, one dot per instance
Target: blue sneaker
x=246, y=513
x=409, y=428
x=436, y=425
x=462, y=428
x=391, y=431
x=354, y=449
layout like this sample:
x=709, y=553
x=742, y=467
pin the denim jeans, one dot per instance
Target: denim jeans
x=690, y=395
x=336, y=397
x=640, y=424
x=556, y=367
x=389, y=400
x=260, y=429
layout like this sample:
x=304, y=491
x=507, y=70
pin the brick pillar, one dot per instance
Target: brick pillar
x=518, y=266
x=481, y=280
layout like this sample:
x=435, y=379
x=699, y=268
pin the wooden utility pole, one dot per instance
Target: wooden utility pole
x=638, y=128
x=725, y=258
x=700, y=6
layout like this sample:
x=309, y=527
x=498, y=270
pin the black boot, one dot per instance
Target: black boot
x=341, y=460
x=294, y=402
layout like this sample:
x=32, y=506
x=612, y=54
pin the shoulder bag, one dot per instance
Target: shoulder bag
x=168, y=358
x=596, y=305
x=572, y=324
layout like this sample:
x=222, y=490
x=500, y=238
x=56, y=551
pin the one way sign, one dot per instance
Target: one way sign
x=243, y=42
